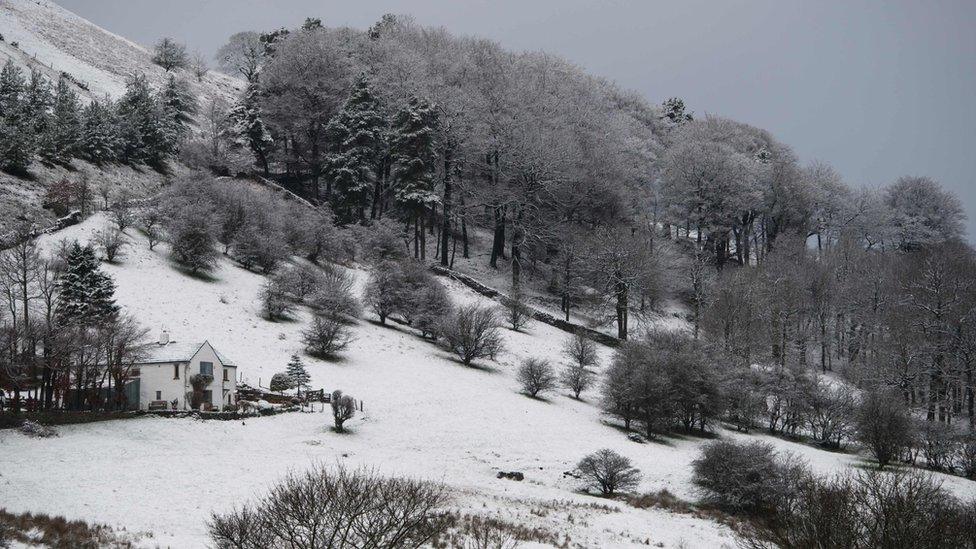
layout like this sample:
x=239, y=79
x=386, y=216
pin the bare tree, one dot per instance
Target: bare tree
x=112, y=243
x=518, y=314
x=536, y=376
x=326, y=337
x=608, y=471
x=242, y=54
x=472, y=332
x=152, y=225
x=198, y=65
x=343, y=409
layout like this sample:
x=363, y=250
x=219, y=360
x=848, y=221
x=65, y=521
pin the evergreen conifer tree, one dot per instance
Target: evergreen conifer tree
x=412, y=146
x=297, y=372
x=99, y=135
x=178, y=106
x=85, y=294
x=250, y=129
x=142, y=124
x=358, y=132
x=62, y=140
x=17, y=139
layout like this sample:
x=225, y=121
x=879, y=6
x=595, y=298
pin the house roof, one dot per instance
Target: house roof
x=178, y=351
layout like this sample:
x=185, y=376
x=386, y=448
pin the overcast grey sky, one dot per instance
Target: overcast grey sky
x=879, y=89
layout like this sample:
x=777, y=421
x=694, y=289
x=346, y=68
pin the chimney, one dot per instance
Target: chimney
x=163, y=337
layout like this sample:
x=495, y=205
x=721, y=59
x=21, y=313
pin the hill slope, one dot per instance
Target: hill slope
x=425, y=415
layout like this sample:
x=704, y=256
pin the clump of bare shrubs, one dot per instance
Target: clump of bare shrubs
x=749, y=478
x=335, y=508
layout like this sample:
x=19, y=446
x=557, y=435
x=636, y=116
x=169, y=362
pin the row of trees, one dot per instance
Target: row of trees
x=47, y=121
x=63, y=340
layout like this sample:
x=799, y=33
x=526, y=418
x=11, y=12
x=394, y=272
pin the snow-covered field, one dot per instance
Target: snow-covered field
x=425, y=416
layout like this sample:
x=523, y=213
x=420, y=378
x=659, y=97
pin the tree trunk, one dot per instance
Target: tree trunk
x=446, y=223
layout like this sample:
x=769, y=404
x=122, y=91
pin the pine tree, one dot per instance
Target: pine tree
x=142, y=124
x=358, y=132
x=297, y=372
x=17, y=138
x=62, y=141
x=179, y=105
x=170, y=54
x=250, y=129
x=412, y=146
x=100, y=132
x=85, y=293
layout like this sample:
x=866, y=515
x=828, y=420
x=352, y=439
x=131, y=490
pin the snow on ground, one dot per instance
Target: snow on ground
x=52, y=39
x=425, y=416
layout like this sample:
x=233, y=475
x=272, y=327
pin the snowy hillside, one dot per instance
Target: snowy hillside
x=425, y=416
x=54, y=40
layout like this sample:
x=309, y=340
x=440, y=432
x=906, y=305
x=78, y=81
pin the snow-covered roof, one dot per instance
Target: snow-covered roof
x=178, y=351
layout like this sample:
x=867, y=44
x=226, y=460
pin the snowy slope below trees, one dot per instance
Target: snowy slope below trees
x=426, y=416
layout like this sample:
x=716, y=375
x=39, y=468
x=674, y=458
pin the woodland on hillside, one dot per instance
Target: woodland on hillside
x=426, y=144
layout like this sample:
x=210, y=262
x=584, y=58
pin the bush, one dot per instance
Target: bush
x=384, y=293
x=326, y=337
x=333, y=294
x=472, y=332
x=112, y=243
x=335, y=508
x=536, y=376
x=343, y=409
x=36, y=430
x=869, y=509
x=275, y=302
x=608, y=471
x=192, y=237
x=938, y=442
x=576, y=379
x=746, y=477
x=884, y=425
x=281, y=382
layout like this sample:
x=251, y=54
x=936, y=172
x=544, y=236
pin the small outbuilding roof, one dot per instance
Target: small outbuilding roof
x=178, y=351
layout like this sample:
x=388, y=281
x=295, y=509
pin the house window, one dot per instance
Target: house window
x=159, y=395
x=176, y=371
x=206, y=369
x=134, y=372
x=226, y=378
x=208, y=396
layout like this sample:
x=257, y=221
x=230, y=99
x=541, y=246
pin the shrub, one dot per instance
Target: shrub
x=275, y=301
x=472, y=332
x=326, y=336
x=938, y=442
x=36, y=430
x=430, y=305
x=384, y=292
x=536, y=376
x=260, y=245
x=335, y=508
x=608, y=471
x=828, y=413
x=112, y=243
x=576, y=378
x=343, y=409
x=884, y=425
x=192, y=237
x=333, y=294
x=746, y=477
x=868, y=509
x=281, y=382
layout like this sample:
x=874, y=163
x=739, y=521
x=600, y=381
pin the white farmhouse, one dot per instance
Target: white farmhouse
x=164, y=376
